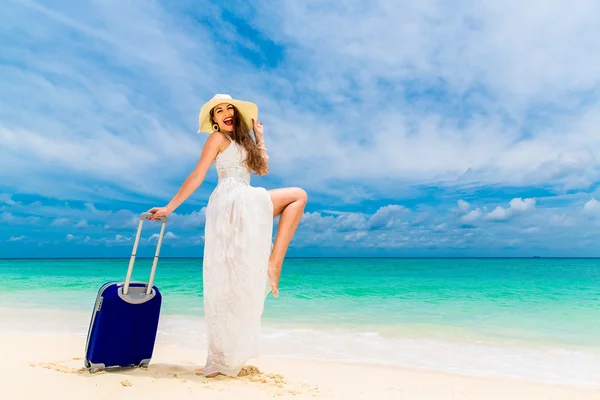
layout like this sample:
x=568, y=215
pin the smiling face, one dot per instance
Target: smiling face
x=222, y=115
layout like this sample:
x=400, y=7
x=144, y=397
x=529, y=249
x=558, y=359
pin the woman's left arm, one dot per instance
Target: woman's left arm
x=194, y=179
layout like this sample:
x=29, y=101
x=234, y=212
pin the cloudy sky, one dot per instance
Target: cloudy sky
x=417, y=128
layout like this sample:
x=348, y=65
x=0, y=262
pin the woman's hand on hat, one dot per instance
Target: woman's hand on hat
x=258, y=130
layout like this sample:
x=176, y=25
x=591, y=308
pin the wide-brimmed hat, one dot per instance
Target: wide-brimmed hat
x=247, y=109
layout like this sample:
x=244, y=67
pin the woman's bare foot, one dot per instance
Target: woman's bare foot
x=214, y=374
x=274, y=272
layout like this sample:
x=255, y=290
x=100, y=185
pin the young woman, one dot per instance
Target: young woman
x=240, y=262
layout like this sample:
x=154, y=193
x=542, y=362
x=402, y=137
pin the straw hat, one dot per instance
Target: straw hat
x=247, y=110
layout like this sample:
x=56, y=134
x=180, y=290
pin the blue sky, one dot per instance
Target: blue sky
x=422, y=129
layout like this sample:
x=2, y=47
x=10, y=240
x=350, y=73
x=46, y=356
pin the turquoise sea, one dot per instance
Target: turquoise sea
x=529, y=318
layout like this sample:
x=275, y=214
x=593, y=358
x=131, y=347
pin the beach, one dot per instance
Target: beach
x=425, y=173
x=50, y=367
x=432, y=329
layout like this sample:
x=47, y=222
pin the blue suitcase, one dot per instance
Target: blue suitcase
x=124, y=321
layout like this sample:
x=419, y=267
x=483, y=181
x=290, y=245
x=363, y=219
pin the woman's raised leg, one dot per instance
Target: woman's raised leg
x=289, y=204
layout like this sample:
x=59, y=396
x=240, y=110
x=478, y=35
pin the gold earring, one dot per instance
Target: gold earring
x=215, y=127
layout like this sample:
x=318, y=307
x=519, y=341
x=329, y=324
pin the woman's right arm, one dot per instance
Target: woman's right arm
x=194, y=179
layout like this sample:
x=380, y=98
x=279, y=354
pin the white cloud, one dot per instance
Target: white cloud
x=71, y=137
x=60, y=222
x=82, y=223
x=118, y=240
x=499, y=214
x=515, y=53
x=90, y=218
x=9, y=218
x=496, y=76
x=16, y=238
x=355, y=236
x=193, y=220
x=463, y=206
x=60, y=215
x=421, y=139
x=350, y=222
x=592, y=206
x=6, y=199
x=112, y=219
x=512, y=242
x=196, y=240
x=516, y=205
x=441, y=227
x=167, y=236
x=388, y=217
x=562, y=220
x=79, y=238
x=440, y=230
x=121, y=238
x=350, y=118
x=471, y=216
x=314, y=221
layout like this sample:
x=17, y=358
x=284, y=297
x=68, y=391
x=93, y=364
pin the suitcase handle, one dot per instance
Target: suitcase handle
x=143, y=216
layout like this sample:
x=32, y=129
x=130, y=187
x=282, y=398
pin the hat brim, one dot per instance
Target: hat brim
x=247, y=109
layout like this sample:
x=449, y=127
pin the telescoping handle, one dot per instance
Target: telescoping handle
x=143, y=216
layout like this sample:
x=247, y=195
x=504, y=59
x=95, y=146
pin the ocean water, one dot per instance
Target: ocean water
x=535, y=319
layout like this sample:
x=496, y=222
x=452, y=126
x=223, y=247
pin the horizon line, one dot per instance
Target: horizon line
x=315, y=257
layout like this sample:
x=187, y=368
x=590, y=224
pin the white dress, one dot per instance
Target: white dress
x=238, y=233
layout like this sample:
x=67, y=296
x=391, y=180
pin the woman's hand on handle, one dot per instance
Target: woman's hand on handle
x=159, y=212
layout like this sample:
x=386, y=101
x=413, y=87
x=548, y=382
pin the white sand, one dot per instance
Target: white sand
x=50, y=367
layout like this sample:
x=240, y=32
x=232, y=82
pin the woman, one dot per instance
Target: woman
x=239, y=265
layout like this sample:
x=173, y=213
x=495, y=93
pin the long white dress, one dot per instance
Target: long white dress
x=238, y=234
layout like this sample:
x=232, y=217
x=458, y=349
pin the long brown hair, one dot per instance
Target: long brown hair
x=241, y=134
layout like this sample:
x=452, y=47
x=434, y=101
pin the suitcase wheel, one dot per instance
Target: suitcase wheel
x=95, y=367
